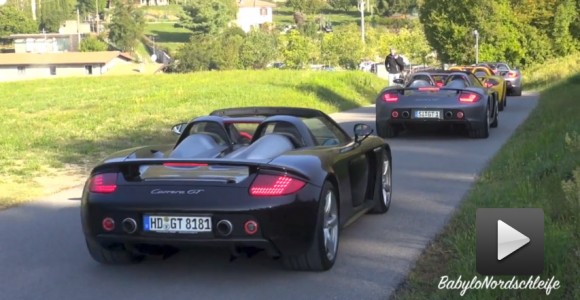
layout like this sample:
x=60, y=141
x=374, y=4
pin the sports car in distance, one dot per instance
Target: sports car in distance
x=463, y=100
x=289, y=191
x=489, y=80
x=513, y=78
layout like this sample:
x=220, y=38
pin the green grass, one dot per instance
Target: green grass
x=545, y=75
x=528, y=172
x=167, y=35
x=162, y=13
x=65, y=125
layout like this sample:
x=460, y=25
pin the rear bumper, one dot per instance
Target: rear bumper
x=286, y=224
x=471, y=115
x=513, y=83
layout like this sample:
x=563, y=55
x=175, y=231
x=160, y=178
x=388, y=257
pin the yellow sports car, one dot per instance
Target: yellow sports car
x=489, y=80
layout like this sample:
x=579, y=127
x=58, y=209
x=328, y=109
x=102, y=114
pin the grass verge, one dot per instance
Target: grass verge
x=548, y=74
x=61, y=127
x=538, y=167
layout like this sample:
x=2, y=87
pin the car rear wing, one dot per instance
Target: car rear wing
x=133, y=168
x=267, y=111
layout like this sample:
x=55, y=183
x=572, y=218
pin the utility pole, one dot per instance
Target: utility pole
x=78, y=30
x=361, y=7
x=33, y=7
x=97, y=7
x=476, y=46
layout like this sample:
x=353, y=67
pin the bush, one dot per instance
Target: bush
x=93, y=44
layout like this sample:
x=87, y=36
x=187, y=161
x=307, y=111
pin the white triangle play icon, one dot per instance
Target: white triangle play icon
x=508, y=240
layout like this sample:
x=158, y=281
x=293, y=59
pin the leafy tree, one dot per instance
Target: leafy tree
x=127, y=25
x=89, y=6
x=52, y=14
x=227, y=54
x=93, y=44
x=259, y=49
x=564, y=17
x=344, y=5
x=13, y=21
x=297, y=49
x=343, y=47
x=209, y=16
x=307, y=6
x=196, y=55
x=390, y=7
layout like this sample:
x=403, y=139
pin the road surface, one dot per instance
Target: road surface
x=43, y=255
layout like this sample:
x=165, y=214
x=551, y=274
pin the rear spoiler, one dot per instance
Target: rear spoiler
x=176, y=162
x=267, y=111
x=400, y=90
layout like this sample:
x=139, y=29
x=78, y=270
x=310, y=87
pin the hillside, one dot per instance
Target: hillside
x=58, y=127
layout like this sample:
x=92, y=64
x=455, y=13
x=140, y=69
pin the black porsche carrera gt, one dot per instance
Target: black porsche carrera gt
x=284, y=180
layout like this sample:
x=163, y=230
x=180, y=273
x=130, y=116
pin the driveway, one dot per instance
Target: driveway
x=43, y=256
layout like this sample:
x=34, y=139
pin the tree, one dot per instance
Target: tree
x=258, y=50
x=14, y=21
x=93, y=44
x=306, y=6
x=229, y=45
x=344, y=5
x=297, y=49
x=343, y=47
x=127, y=25
x=390, y=7
x=564, y=17
x=89, y=6
x=52, y=14
x=196, y=55
x=209, y=16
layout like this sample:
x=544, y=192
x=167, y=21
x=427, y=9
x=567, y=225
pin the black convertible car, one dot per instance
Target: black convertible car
x=283, y=180
x=460, y=100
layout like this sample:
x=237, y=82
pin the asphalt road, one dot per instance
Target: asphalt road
x=43, y=255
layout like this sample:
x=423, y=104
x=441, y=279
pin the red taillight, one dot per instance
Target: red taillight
x=512, y=74
x=468, y=97
x=395, y=114
x=460, y=115
x=488, y=84
x=108, y=224
x=103, y=183
x=439, y=84
x=390, y=97
x=250, y=227
x=183, y=164
x=275, y=185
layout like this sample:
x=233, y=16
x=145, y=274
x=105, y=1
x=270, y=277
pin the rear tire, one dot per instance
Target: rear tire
x=324, y=249
x=505, y=95
x=110, y=256
x=383, y=186
x=385, y=130
x=517, y=91
x=501, y=103
x=495, y=118
x=481, y=131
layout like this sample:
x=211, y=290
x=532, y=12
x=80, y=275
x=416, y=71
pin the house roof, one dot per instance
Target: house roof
x=40, y=35
x=60, y=58
x=254, y=3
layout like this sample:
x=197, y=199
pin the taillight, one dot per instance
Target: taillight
x=512, y=74
x=439, y=84
x=468, y=97
x=275, y=185
x=390, y=97
x=105, y=183
x=488, y=84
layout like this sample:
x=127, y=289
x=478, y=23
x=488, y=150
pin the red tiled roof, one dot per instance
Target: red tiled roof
x=61, y=58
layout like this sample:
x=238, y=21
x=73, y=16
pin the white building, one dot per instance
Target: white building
x=253, y=13
x=18, y=66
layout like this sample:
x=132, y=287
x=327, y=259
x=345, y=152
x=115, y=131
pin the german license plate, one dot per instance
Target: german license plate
x=176, y=224
x=428, y=114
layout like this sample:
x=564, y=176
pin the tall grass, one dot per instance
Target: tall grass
x=551, y=73
x=50, y=128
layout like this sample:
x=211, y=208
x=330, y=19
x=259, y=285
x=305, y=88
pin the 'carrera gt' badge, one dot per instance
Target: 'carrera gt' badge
x=174, y=192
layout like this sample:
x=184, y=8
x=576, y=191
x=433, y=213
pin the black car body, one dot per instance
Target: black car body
x=462, y=100
x=289, y=190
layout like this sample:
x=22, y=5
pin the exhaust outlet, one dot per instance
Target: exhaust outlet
x=448, y=115
x=405, y=114
x=129, y=225
x=224, y=227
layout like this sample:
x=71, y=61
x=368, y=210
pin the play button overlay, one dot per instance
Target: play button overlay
x=509, y=241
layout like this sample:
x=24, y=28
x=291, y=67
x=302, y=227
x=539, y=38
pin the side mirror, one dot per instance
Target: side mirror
x=177, y=129
x=399, y=81
x=361, y=132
